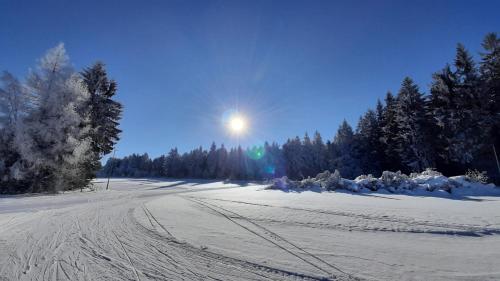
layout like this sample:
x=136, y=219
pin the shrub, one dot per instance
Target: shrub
x=368, y=181
x=476, y=176
x=333, y=182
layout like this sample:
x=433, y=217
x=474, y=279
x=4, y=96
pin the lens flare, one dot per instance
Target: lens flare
x=256, y=152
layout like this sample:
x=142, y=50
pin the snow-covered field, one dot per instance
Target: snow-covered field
x=197, y=230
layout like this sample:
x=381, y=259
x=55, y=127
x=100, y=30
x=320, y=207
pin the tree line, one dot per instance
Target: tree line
x=454, y=128
x=56, y=125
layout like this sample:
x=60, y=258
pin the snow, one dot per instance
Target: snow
x=394, y=182
x=152, y=229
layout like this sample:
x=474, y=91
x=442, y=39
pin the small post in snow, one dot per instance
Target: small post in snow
x=112, y=167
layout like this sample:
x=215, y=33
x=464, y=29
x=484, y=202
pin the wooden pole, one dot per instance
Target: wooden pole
x=112, y=168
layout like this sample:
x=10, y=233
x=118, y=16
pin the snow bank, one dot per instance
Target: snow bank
x=429, y=180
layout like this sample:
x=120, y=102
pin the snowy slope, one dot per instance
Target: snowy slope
x=197, y=230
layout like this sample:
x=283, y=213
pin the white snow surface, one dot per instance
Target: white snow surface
x=153, y=229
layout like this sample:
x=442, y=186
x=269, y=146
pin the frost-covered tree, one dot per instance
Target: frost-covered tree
x=14, y=100
x=51, y=138
x=14, y=104
x=412, y=138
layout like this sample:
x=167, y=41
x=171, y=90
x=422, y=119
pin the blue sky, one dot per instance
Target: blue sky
x=289, y=66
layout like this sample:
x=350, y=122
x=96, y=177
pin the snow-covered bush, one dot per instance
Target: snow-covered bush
x=307, y=183
x=333, y=181
x=394, y=181
x=279, y=183
x=323, y=176
x=476, y=176
x=426, y=172
x=428, y=180
x=368, y=182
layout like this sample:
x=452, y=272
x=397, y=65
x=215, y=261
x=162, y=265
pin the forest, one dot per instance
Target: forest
x=453, y=128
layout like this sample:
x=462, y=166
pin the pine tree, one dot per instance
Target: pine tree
x=380, y=147
x=456, y=108
x=292, y=152
x=490, y=88
x=158, y=166
x=173, y=164
x=307, y=154
x=222, y=165
x=346, y=161
x=103, y=111
x=211, y=171
x=389, y=128
x=367, y=140
x=319, y=154
x=412, y=138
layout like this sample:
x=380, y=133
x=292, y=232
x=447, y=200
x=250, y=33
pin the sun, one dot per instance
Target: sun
x=237, y=124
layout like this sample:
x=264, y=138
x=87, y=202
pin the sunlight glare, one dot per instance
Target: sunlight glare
x=237, y=124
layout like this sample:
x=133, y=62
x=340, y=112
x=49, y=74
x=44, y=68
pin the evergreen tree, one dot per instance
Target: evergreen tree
x=471, y=103
x=173, y=164
x=14, y=104
x=211, y=170
x=292, y=152
x=318, y=154
x=456, y=108
x=412, y=139
x=222, y=163
x=51, y=139
x=367, y=140
x=158, y=166
x=103, y=111
x=380, y=147
x=346, y=161
x=490, y=88
x=307, y=154
x=389, y=128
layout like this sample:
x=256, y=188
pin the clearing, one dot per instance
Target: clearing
x=150, y=229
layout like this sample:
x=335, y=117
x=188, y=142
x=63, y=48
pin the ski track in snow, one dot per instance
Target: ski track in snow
x=392, y=224
x=115, y=236
x=144, y=230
